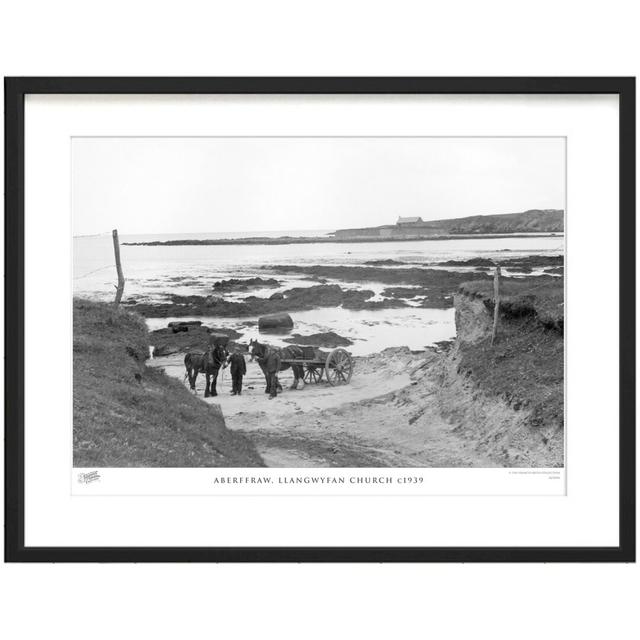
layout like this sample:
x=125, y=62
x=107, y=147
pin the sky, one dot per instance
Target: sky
x=182, y=185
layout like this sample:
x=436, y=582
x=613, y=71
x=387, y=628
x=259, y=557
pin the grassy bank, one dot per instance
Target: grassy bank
x=128, y=415
x=539, y=299
x=525, y=365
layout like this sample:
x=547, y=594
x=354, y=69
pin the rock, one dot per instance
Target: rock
x=520, y=269
x=177, y=327
x=245, y=283
x=524, y=264
x=295, y=299
x=275, y=321
x=472, y=262
x=166, y=350
x=385, y=262
x=231, y=333
x=277, y=296
x=405, y=292
x=443, y=345
x=218, y=338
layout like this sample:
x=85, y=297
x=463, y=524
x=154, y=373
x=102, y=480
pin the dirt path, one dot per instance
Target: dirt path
x=386, y=416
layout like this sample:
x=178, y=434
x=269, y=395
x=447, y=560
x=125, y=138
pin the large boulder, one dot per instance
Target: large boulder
x=245, y=283
x=184, y=325
x=218, y=338
x=275, y=321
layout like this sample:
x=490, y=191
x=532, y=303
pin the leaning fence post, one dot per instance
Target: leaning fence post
x=116, y=250
x=496, y=303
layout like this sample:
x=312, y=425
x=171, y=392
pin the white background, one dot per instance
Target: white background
x=586, y=516
x=332, y=38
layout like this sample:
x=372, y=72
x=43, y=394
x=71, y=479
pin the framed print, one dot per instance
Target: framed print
x=320, y=319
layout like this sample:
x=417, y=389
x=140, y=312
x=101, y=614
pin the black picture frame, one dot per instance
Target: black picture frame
x=15, y=91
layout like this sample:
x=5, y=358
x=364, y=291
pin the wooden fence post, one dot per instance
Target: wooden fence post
x=116, y=250
x=496, y=303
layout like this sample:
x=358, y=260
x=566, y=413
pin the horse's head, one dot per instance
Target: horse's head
x=215, y=354
x=256, y=349
x=220, y=352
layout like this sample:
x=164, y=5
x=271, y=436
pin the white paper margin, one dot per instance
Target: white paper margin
x=587, y=515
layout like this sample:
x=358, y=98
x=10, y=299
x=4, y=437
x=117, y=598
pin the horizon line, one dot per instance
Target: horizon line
x=95, y=235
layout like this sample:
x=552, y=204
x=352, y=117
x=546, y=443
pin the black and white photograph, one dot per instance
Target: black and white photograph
x=328, y=302
x=320, y=321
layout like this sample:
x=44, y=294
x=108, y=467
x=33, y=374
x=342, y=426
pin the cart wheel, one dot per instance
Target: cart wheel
x=312, y=374
x=339, y=367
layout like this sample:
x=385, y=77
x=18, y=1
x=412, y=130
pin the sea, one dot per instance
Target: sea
x=153, y=272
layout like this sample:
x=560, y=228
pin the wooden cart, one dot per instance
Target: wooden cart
x=336, y=366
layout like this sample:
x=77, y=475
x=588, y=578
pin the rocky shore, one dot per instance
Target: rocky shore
x=295, y=299
x=415, y=286
x=526, y=264
x=466, y=403
x=462, y=404
x=243, y=284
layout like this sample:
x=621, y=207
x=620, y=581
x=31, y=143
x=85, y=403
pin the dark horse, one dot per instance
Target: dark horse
x=270, y=361
x=208, y=363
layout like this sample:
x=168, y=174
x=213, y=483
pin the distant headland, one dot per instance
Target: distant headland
x=533, y=221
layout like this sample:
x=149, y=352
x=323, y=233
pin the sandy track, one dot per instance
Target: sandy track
x=372, y=422
x=366, y=383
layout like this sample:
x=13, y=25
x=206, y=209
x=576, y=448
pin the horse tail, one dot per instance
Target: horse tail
x=187, y=366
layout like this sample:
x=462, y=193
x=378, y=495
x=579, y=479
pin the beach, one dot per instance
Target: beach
x=156, y=274
x=414, y=316
x=372, y=422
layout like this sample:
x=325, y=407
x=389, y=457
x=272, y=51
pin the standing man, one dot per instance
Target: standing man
x=238, y=370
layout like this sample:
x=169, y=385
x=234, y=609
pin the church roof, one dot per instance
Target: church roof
x=404, y=220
